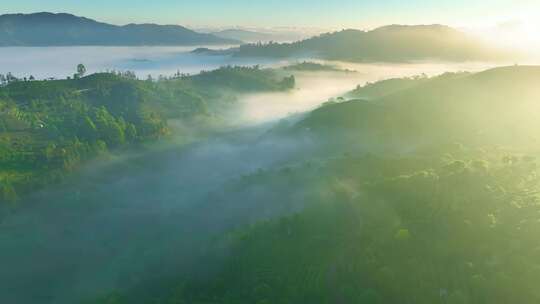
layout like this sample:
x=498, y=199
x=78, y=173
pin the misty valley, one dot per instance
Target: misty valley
x=156, y=164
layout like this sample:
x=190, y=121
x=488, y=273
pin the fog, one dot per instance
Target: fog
x=140, y=217
x=153, y=214
x=314, y=88
x=60, y=62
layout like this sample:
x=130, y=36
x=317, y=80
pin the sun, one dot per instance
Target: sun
x=531, y=32
x=519, y=32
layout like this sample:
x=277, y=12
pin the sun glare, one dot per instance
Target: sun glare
x=521, y=33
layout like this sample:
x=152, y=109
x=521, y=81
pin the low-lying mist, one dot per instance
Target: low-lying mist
x=60, y=62
x=315, y=88
x=145, y=217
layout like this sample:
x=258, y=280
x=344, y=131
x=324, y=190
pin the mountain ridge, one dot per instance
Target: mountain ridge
x=392, y=43
x=63, y=29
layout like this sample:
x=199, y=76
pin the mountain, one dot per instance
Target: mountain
x=494, y=107
x=244, y=35
x=266, y=35
x=394, y=43
x=48, y=29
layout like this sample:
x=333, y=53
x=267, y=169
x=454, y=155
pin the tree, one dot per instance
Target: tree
x=129, y=75
x=88, y=129
x=288, y=82
x=81, y=70
x=10, y=78
x=131, y=132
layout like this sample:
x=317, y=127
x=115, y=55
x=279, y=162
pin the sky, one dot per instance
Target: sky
x=328, y=14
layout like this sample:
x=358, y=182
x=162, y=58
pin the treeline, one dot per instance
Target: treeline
x=308, y=66
x=243, y=79
x=48, y=128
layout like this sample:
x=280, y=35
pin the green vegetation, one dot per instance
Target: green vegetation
x=385, y=87
x=116, y=189
x=476, y=109
x=389, y=230
x=48, y=128
x=429, y=194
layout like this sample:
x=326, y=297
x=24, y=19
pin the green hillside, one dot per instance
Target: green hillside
x=379, y=230
x=495, y=107
x=48, y=128
x=453, y=223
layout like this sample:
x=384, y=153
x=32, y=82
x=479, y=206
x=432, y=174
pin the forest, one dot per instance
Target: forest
x=50, y=127
x=397, y=205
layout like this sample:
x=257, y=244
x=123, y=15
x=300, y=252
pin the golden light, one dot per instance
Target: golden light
x=522, y=32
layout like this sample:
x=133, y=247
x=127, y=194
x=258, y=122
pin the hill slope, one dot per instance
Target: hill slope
x=49, y=128
x=48, y=29
x=454, y=225
x=498, y=106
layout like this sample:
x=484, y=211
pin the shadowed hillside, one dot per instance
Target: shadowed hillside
x=47, y=29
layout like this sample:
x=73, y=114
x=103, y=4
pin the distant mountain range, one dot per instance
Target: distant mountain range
x=267, y=35
x=48, y=29
x=244, y=35
x=394, y=43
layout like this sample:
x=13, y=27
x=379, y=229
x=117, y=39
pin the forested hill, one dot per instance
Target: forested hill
x=48, y=29
x=497, y=107
x=48, y=128
x=457, y=223
x=394, y=43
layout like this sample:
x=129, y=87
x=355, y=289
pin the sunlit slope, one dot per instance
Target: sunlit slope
x=394, y=43
x=498, y=106
x=382, y=88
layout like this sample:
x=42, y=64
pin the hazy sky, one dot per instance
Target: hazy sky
x=304, y=13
